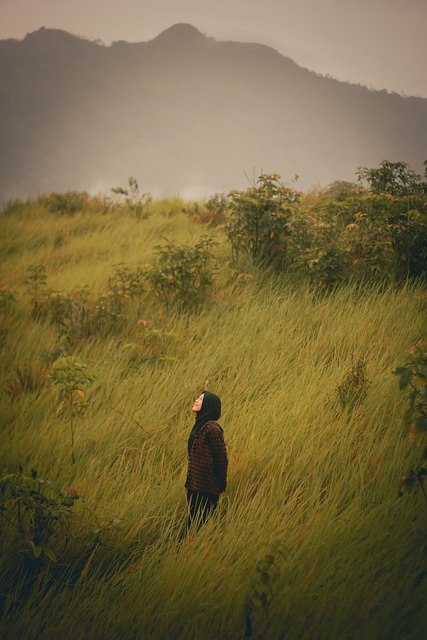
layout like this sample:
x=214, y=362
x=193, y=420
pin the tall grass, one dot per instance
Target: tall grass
x=311, y=539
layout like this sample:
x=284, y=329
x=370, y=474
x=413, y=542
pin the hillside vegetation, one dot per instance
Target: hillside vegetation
x=115, y=314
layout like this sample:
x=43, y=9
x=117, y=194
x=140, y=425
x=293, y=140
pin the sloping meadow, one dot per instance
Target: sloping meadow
x=311, y=539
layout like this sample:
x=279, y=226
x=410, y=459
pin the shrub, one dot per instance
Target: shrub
x=127, y=284
x=394, y=178
x=259, y=225
x=36, y=512
x=183, y=275
x=413, y=381
x=370, y=246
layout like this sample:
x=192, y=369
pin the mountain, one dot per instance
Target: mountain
x=188, y=114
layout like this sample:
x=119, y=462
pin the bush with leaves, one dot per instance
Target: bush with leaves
x=35, y=512
x=183, y=275
x=413, y=381
x=394, y=178
x=127, y=284
x=370, y=247
x=323, y=257
x=260, y=216
x=384, y=228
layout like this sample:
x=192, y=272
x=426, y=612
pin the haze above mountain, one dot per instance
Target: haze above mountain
x=186, y=114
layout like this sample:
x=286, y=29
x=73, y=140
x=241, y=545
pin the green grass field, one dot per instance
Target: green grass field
x=311, y=540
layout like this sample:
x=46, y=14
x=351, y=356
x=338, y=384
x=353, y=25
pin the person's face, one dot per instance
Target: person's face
x=198, y=403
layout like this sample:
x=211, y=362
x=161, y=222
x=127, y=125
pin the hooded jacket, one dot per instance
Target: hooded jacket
x=207, y=452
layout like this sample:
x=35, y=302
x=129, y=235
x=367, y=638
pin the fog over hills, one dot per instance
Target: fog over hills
x=186, y=114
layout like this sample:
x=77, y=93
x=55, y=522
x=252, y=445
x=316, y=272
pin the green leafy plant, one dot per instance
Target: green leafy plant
x=183, y=275
x=73, y=378
x=128, y=284
x=77, y=314
x=259, y=224
x=395, y=178
x=413, y=381
x=369, y=244
x=36, y=512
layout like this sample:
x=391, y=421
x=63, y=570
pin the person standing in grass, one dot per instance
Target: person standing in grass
x=207, y=459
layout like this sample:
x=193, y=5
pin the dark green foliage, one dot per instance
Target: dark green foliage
x=383, y=232
x=394, y=178
x=35, y=512
x=183, y=275
x=413, y=380
x=260, y=216
x=127, y=283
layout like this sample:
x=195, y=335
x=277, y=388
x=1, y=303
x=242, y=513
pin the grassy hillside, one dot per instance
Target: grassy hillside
x=311, y=538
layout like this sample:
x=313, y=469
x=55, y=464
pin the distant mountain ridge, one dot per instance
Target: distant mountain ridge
x=185, y=113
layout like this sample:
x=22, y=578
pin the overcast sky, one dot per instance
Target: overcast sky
x=379, y=43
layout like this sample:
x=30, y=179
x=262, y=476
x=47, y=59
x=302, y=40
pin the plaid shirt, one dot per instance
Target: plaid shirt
x=207, y=461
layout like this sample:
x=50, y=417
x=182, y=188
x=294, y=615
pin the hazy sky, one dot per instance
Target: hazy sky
x=378, y=43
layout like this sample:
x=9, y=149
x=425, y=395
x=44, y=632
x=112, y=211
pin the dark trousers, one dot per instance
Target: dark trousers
x=200, y=506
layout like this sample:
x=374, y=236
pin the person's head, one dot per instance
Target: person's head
x=208, y=406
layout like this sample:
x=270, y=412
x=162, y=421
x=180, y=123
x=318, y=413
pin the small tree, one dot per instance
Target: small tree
x=73, y=377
